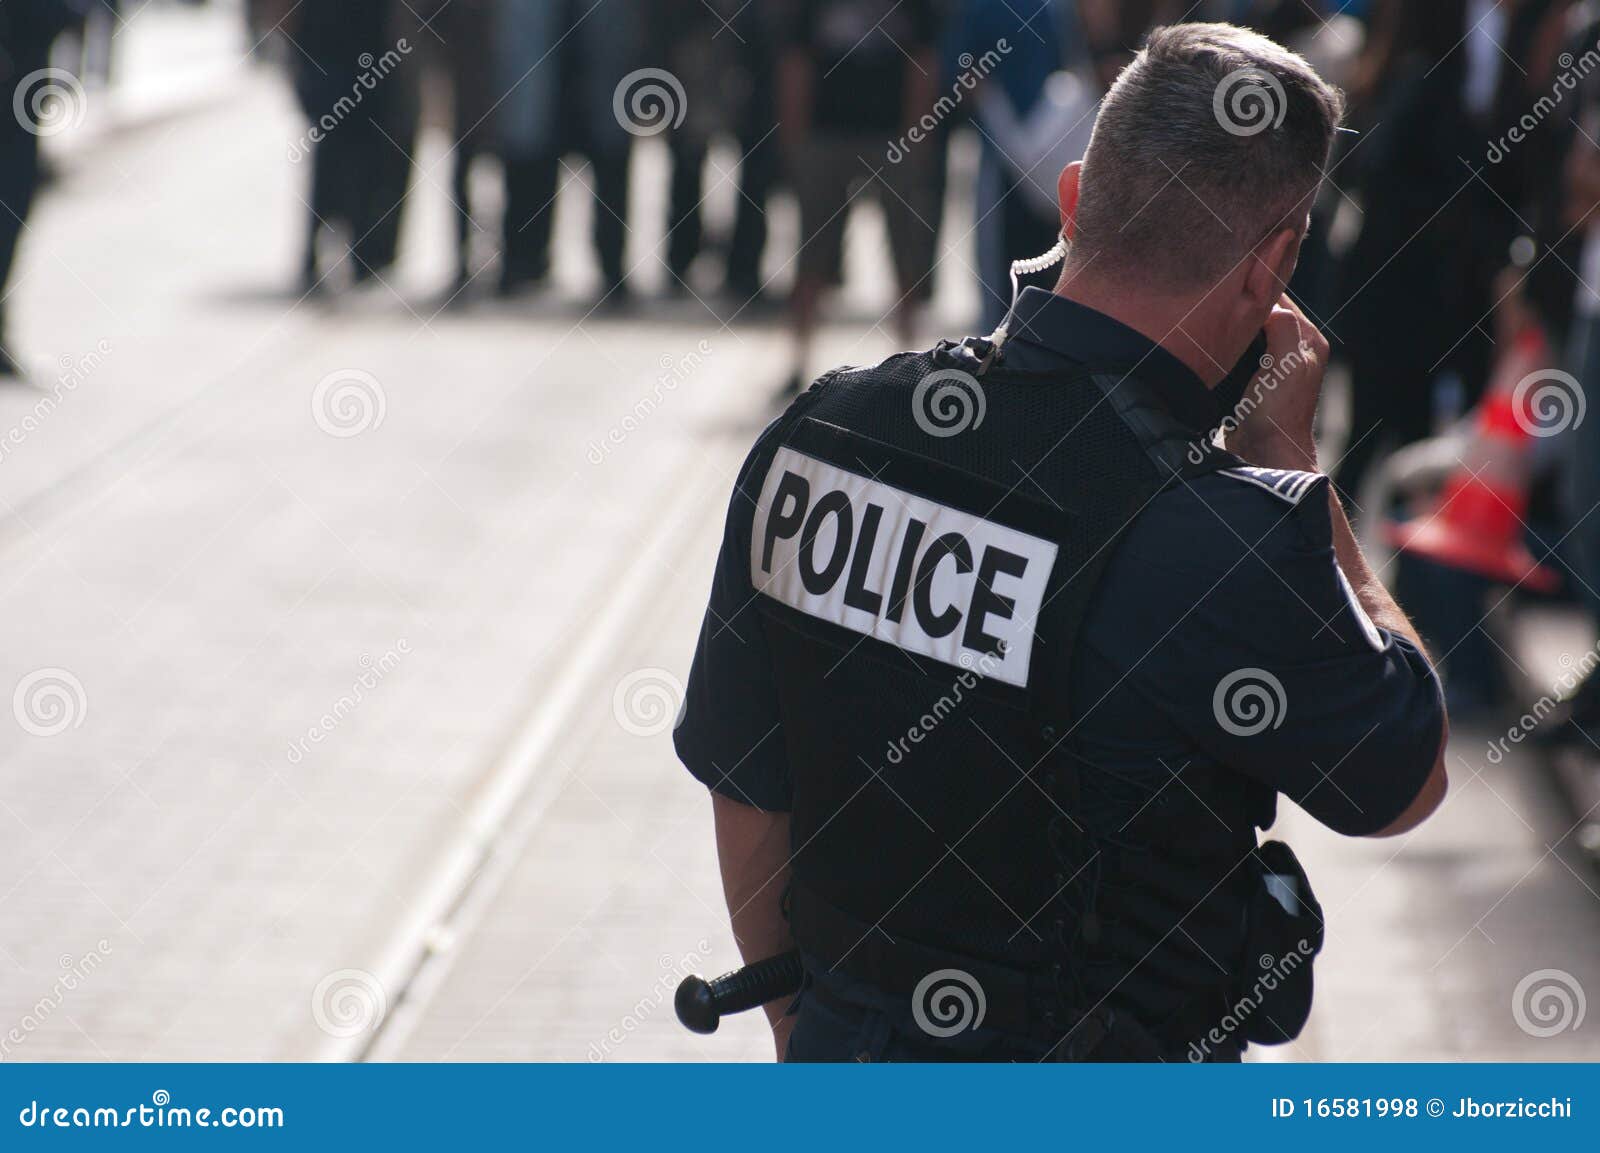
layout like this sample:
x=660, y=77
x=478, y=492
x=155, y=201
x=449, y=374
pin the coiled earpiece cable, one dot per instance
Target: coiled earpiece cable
x=1020, y=268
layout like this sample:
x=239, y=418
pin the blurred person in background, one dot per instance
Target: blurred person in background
x=1434, y=314
x=1024, y=117
x=1282, y=20
x=1403, y=282
x=462, y=45
x=1573, y=183
x=853, y=77
x=558, y=65
x=103, y=17
x=26, y=32
x=760, y=166
x=703, y=55
x=1114, y=30
x=358, y=88
x=1440, y=208
x=263, y=25
x=261, y=17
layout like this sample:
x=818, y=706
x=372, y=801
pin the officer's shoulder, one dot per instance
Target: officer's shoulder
x=1265, y=505
x=1243, y=509
x=899, y=368
x=839, y=395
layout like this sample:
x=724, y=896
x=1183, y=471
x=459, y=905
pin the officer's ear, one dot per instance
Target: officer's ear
x=1271, y=266
x=1067, y=191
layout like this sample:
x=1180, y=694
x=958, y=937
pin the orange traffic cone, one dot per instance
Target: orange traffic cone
x=1477, y=522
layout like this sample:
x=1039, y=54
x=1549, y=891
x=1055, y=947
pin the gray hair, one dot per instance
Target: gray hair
x=1210, y=140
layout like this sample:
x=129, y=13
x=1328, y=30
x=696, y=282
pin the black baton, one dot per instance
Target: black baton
x=701, y=1003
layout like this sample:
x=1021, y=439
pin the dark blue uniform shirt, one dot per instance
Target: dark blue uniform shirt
x=1222, y=638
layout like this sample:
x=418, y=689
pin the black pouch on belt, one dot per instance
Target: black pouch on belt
x=1284, y=936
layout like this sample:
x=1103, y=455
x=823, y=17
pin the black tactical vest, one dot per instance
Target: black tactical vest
x=928, y=538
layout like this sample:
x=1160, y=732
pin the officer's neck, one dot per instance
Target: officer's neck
x=1180, y=325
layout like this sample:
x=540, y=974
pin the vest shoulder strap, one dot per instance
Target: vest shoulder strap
x=1178, y=452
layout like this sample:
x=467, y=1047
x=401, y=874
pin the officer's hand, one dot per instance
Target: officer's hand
x=1277, y=431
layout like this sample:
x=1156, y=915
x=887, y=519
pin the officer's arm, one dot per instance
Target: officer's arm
x=753, y=847
x=1279, y=435
x=1374, y=598
x=1383, y=610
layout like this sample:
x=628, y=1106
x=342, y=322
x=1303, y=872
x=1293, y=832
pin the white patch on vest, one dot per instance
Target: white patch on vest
x=953, y=621
x=1368, y=629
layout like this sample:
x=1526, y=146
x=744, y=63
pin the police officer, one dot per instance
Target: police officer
x=1007, y=661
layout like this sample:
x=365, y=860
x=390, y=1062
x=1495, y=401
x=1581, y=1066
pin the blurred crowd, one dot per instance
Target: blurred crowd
x=840, y=102
x=1454, y=230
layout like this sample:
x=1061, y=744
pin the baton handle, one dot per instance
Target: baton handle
x=701, y=1004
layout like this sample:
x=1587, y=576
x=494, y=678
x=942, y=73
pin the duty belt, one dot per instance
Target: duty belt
x=1020, y=1002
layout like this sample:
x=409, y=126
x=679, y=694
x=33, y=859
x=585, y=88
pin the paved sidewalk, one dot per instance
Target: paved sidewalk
x=207, y=576
x=615, y=894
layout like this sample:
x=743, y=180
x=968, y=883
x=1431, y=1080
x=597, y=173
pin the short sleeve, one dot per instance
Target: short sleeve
x=729, y=732
x=1261, y=653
